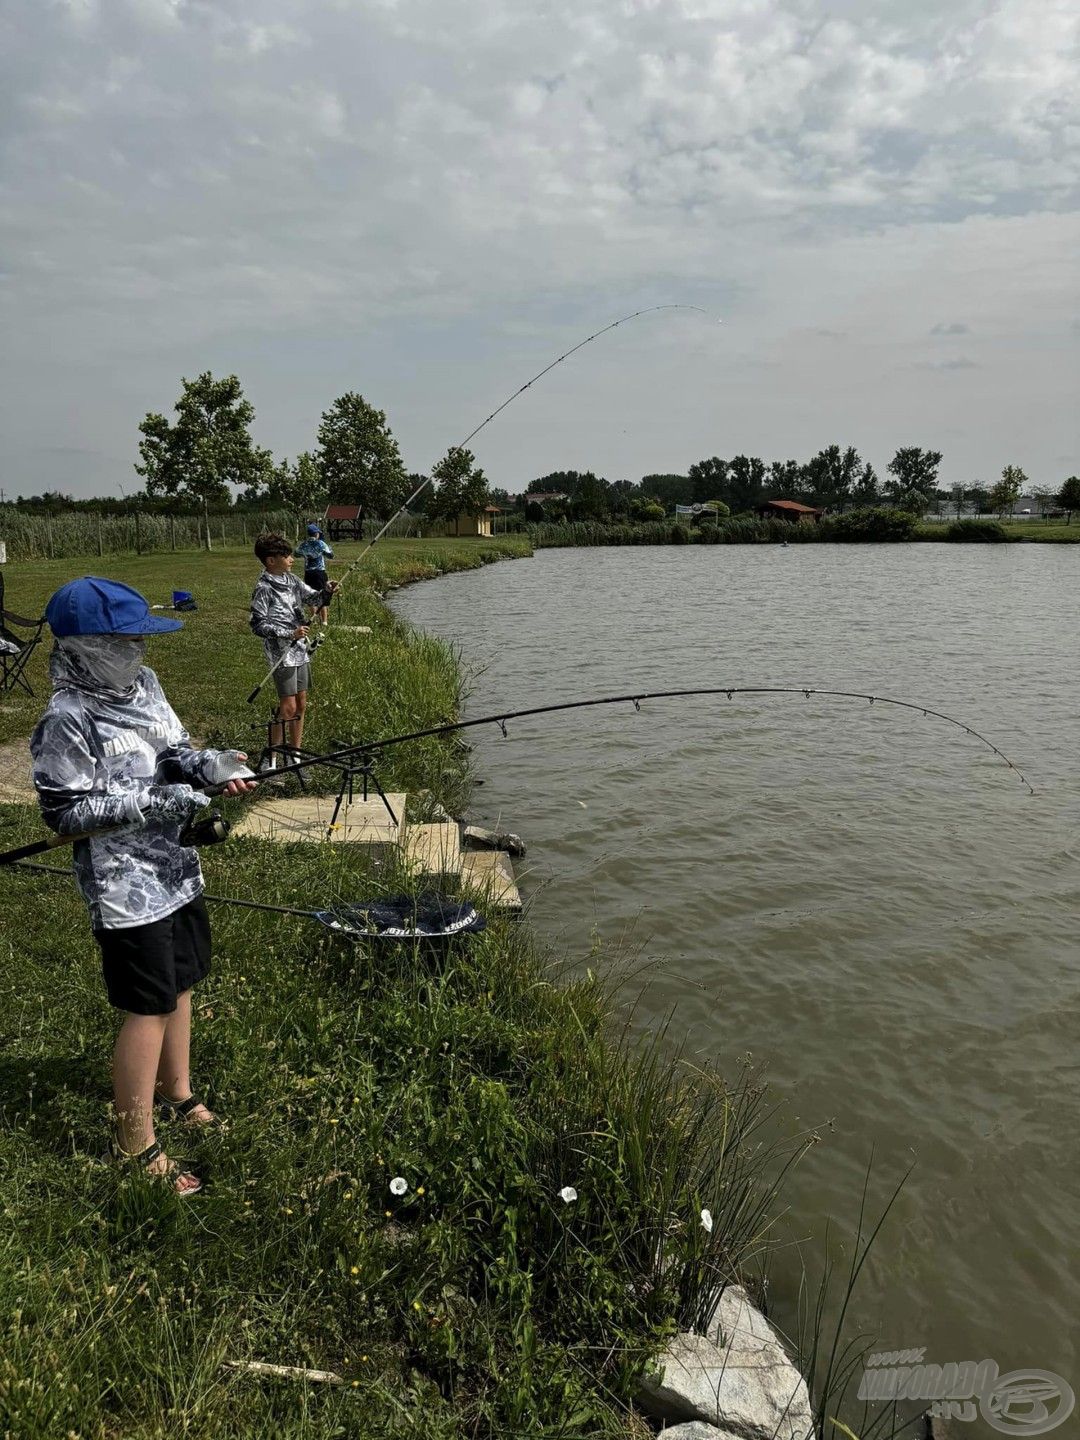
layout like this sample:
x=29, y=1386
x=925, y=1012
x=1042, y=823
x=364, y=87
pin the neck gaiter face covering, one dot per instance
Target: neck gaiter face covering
x=99, y=664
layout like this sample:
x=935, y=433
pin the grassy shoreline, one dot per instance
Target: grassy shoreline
x=477, y=1304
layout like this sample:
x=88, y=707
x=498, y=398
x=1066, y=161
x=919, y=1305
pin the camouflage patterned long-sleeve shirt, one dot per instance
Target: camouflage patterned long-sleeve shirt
x=277, y=612
x=96, y=763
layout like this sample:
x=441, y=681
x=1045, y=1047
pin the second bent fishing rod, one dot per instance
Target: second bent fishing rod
x=372, y=747
x=649, y=310
x=213, y=829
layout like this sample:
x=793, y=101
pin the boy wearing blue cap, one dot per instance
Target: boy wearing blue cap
x=315, y=553
x=114, y=765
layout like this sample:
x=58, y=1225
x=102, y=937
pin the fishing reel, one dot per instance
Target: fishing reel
x=209, y=829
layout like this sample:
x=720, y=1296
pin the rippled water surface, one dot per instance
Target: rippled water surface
x=865, y=899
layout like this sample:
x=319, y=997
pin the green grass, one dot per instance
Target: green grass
x=478, y=1304
x=1050, y=531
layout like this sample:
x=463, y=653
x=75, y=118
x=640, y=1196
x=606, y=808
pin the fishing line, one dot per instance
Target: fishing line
x=614, y=325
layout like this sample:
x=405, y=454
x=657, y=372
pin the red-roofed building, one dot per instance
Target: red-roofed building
x=343, y=522
x=790, y=510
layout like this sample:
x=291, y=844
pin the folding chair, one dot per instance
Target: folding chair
x=15, y=650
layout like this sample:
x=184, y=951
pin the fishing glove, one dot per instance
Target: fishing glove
x=170, y=802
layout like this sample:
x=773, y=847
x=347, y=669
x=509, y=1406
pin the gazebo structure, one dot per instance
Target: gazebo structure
x=343, y=522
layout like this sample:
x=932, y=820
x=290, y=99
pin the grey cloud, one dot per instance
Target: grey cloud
x=364, y=194
x=956, y=328
x=961, y=362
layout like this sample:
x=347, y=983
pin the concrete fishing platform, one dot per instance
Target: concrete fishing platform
x=432, y=852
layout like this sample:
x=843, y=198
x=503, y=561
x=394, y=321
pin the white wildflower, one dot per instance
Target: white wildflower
x=398, y=1185
x=706, y=1220
x=567, y=1194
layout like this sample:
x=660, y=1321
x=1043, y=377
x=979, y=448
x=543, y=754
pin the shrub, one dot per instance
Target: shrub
x=873, y=523
x=977, y=531
x=680, y=535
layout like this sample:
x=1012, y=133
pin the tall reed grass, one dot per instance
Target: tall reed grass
x=78, y=533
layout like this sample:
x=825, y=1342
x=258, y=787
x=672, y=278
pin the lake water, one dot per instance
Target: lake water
x=867, y=900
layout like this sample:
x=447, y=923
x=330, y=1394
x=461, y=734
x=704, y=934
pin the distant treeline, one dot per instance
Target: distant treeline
x=835, y=479
x=877, y=523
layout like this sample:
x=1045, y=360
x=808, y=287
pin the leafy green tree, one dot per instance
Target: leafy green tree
x=590, y=499
x=668, y=490
x=359, y=458
x=1006, y=492
x=209, y=447
x=1069, y=497
x=866, y=490
x=1043, y=496
x=914, y=481
x=461, y=487
x=785, y=480
x=708, y=479
x=746, y=482
x=978, y=495
x=298, y=487
x=830, y=476
x=957, y=494
x=559, y=482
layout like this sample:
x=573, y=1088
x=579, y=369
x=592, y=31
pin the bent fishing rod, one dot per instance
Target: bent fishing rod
x=649, y=310
x=373, y=747
x=213, y=828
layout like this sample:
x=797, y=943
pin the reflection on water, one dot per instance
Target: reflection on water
x=865, y=899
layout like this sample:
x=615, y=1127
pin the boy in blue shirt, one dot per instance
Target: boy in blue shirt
x=315, y=552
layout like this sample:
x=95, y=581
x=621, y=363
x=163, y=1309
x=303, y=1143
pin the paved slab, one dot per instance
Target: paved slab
x=434, y=849
x=307, y=817
x=491, y=874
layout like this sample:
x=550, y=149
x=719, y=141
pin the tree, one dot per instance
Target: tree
x=359, y=458
x=957, y=494
x=914, y=481
x=978, y=495
x=866, y=491
x=1043, y=496
x=208, y=449
x=708, y=479
x=1069, y=497
x=830, y=476
x=590, y=499
x=785, y=480
x=1006, y=492
x=746, y=482
x=298, y=487
x=667, y=490
x=461, y=487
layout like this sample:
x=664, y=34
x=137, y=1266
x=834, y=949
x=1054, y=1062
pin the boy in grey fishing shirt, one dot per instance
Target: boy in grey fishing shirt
x=278, y=603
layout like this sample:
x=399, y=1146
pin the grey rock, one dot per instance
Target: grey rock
x=737, y=1378
x=697, y=1430
x=477, y=838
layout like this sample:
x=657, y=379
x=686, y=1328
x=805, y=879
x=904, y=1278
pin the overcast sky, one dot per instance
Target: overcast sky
x=427, y=200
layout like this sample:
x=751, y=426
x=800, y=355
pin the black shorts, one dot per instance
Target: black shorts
x=148, y=966
x=317, y=580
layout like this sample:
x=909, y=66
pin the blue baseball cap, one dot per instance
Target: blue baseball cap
x=314, y=529
x=92, y=606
